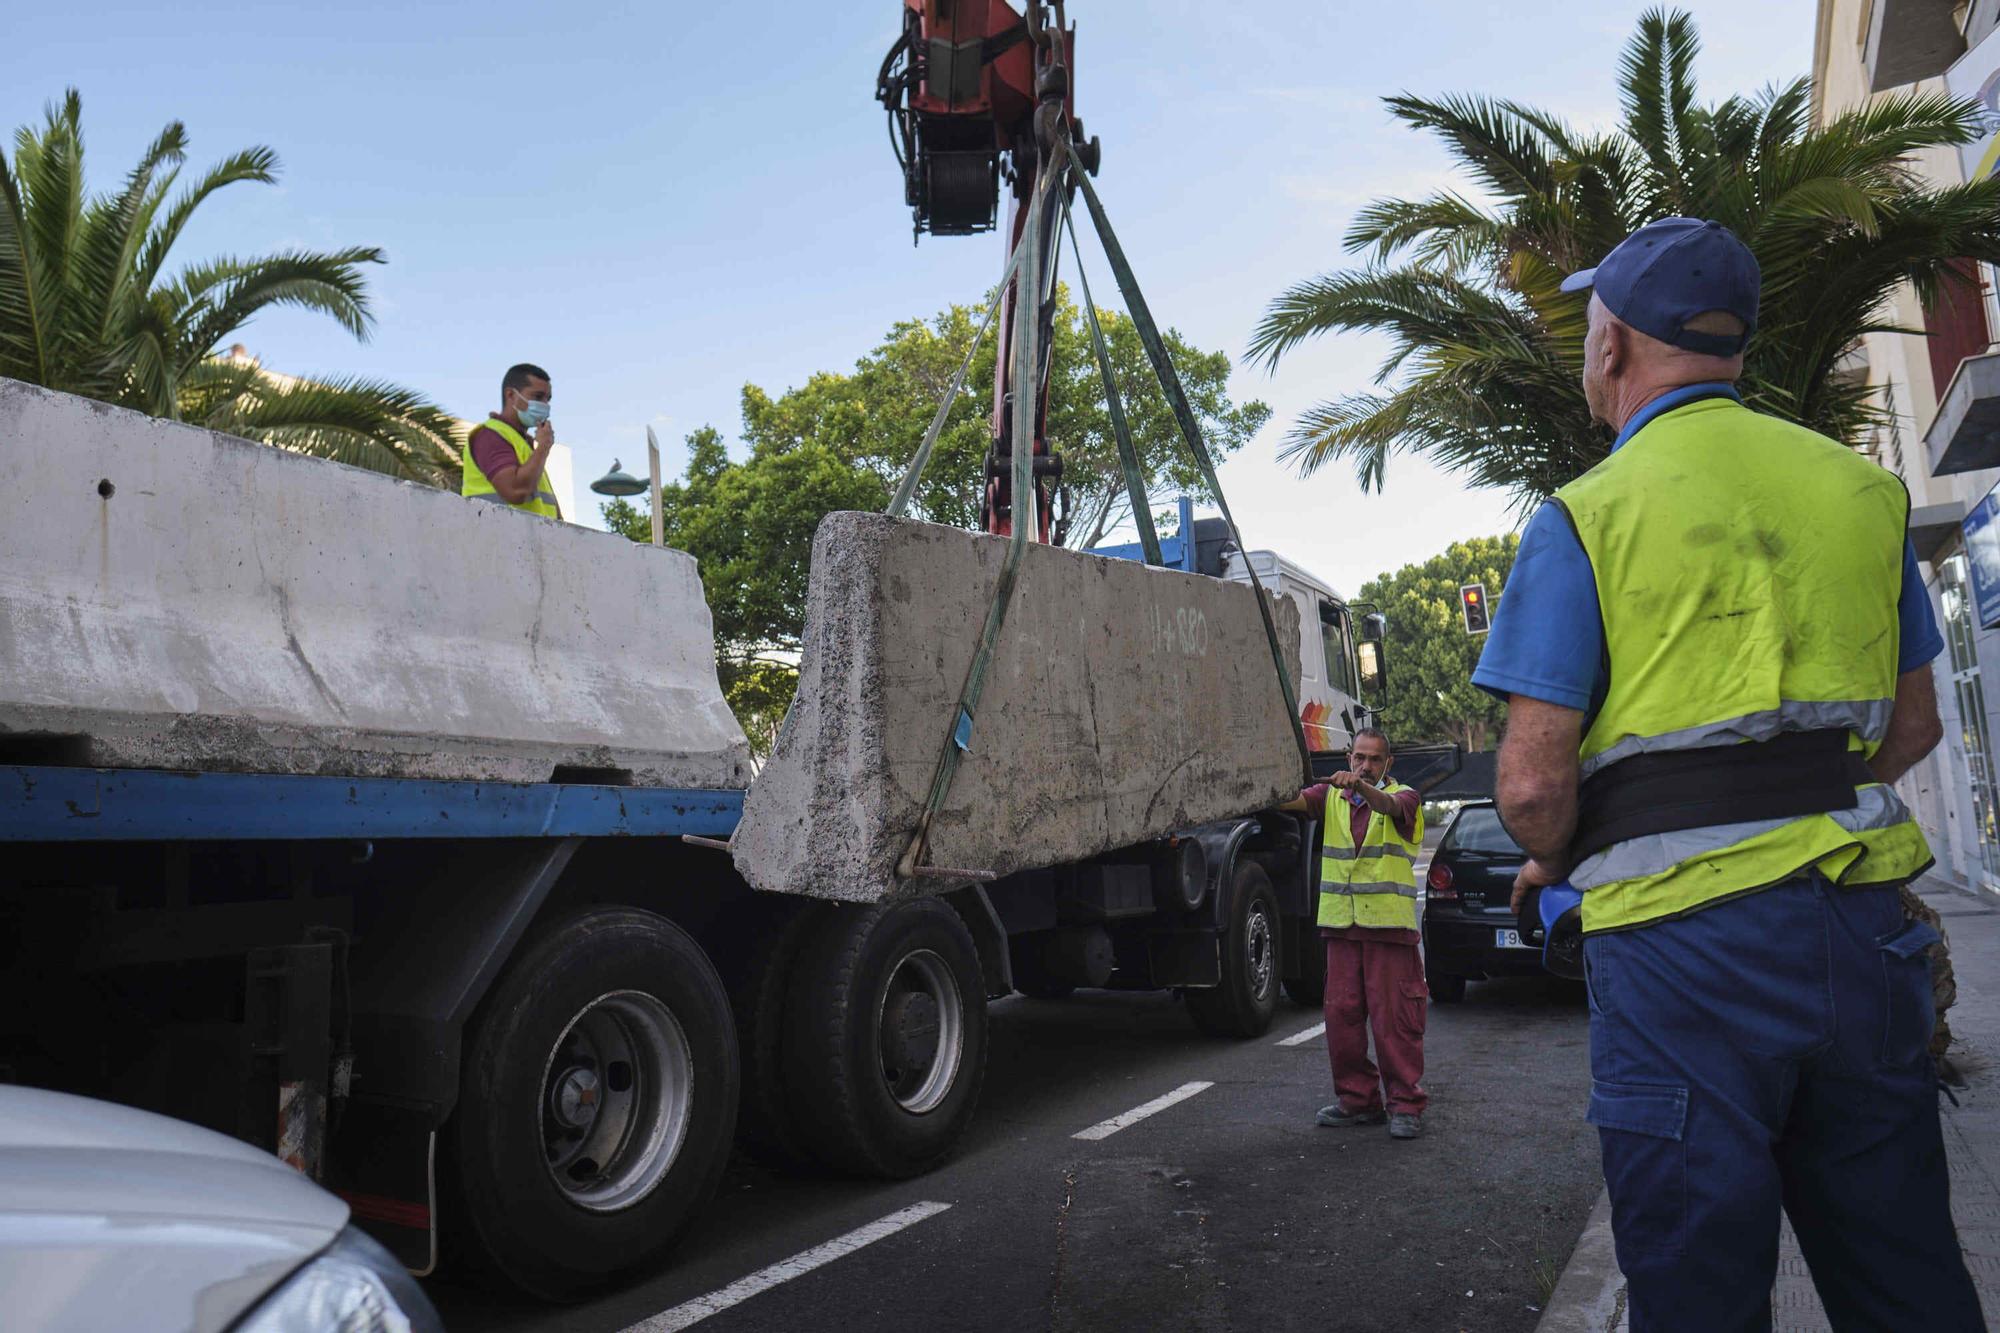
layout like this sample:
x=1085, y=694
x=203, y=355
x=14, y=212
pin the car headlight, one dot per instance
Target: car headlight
x=353, y=1286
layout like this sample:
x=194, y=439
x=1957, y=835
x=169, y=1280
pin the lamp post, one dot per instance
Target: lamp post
x=620, y=483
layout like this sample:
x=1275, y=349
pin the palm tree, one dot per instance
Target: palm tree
x=1487, y=353
x=85, y=307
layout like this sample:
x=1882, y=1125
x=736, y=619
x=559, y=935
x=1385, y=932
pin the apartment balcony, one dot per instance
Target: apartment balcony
x=1910, y=40
x=1965, y=434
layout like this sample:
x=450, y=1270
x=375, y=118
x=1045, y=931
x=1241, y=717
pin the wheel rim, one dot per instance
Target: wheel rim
x=1259, y=950
x=616, y=1094
x=921, y=1026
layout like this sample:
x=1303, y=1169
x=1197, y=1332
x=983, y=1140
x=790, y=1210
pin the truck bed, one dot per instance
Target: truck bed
x=43, y=803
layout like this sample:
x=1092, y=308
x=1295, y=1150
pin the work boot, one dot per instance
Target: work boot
x=1333, y=1117
x=1405, y=1125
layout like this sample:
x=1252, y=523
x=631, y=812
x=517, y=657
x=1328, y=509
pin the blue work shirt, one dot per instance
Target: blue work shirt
x=1547, y=640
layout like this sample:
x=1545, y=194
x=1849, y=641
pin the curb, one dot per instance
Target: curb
x=1590, y=1295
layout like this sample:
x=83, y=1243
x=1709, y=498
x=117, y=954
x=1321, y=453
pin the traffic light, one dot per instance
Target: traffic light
x=1472, y=600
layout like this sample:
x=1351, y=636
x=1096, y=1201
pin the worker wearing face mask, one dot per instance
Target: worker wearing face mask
x=500, y=465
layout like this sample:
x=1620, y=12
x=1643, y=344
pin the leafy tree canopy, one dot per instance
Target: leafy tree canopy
x=843, y=441
x=1431, y=694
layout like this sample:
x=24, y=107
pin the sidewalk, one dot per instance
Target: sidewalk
x=1590, y=1297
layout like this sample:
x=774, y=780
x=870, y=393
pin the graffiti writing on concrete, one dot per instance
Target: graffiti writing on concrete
x=1184, y=631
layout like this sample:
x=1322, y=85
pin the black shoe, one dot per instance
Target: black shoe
x=1406, y=1125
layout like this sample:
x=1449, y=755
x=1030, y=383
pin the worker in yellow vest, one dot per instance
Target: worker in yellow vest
x=498, y=464
x=1716, y=650
x=1368, y=920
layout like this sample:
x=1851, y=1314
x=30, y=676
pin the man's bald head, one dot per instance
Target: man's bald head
x=1624, y=369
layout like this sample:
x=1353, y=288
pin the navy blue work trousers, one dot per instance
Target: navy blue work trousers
x=1770, y=1052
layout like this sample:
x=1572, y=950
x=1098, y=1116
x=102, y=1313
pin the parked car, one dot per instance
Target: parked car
x=1470, y=932
x=112, y=1218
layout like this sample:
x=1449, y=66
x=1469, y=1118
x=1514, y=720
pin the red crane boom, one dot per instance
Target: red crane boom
x=977, y=94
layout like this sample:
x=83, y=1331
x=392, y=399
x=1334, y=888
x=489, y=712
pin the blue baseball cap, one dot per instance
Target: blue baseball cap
x=1669, y=271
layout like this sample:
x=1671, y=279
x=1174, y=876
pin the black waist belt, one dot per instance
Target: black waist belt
x=1798, y=773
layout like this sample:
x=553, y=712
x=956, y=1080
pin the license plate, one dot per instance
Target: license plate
x=1509, y=939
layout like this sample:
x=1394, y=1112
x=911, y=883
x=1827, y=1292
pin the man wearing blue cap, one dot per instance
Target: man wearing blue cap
x=1715, y=646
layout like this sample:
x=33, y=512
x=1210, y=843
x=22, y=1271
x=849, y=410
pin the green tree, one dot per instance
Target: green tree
x=843, y=441
x=87, y=307
x=1431, y=694
x=1483, y=376
x=750, y=526
x=876, y=415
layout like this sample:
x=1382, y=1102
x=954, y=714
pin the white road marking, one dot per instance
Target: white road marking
x=1301, y=1038
x=1104, y=1129
x=693, y=1312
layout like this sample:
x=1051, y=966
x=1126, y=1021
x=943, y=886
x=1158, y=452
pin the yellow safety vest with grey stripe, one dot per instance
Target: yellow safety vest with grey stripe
x=474, y=485
x=1374, y=884
x=1748, y=572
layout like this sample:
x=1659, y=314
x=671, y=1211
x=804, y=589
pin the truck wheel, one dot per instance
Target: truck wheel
x=885, y=1039
x=1243, y=1004
x=1308, y=990
x=597, y=1103
x=760, y=984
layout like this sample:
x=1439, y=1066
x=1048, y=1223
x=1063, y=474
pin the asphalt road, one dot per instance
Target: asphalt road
x=1228, y=1209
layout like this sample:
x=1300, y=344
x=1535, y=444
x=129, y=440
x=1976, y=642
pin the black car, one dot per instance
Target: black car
x=1469, y=930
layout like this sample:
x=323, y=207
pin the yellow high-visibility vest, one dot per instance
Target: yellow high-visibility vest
x=1748, y=572
x=474, y=485
x=1374, y=884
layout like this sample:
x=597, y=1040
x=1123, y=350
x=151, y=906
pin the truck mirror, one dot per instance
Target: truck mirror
x=1374, y=627
x=1374, y=669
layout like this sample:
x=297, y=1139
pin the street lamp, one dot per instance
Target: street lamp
x=621, y=483
x=617, y=482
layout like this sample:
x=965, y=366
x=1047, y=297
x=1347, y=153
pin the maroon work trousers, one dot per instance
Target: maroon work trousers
x=1379, y=987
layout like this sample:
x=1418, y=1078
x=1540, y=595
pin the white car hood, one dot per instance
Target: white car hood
x=117, y=1218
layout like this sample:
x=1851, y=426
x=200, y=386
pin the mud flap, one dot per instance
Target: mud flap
x=383, y=1163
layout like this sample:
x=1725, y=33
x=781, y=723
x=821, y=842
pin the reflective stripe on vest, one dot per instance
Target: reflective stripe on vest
x=1372, y=885
x=474, y=485
x=1748, y=572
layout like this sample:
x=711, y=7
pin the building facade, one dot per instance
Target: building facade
x=1939, y=386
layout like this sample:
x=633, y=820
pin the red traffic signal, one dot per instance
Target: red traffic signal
x=1472, y=601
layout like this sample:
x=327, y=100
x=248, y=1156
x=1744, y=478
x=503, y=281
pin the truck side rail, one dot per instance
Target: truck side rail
x=41, y=803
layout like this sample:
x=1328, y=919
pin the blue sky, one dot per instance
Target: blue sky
x=661, y=202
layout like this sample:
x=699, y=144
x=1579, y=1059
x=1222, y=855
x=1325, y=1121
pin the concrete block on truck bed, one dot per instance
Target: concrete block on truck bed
x=176, y=598
x=1123, y=702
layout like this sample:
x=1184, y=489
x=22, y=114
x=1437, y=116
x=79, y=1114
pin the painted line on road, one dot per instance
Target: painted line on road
x=1301, y=1038
x=1104, y=1129
x=692, y=1312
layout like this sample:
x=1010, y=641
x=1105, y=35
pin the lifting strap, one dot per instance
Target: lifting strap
x=915, y=472
x=1128, y=455
x=1027, y=267
x=1170, y=382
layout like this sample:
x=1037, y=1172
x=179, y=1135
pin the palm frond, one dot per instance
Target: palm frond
x=1486, y=350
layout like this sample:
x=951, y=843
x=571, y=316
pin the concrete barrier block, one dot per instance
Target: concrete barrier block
x=175, y=598
x=1123, y=702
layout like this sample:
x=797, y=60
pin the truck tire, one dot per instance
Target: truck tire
x=597, y=1104
x=1308, y=989
x=1243, y=1004
x=885, y=1039
x=759, y=991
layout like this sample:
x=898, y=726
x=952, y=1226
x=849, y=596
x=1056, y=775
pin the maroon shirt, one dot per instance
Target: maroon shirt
x=1408, y=804
x=492, y=452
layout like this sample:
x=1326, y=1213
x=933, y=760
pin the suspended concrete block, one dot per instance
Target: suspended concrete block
x=175, y=598
x=1123, y=702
